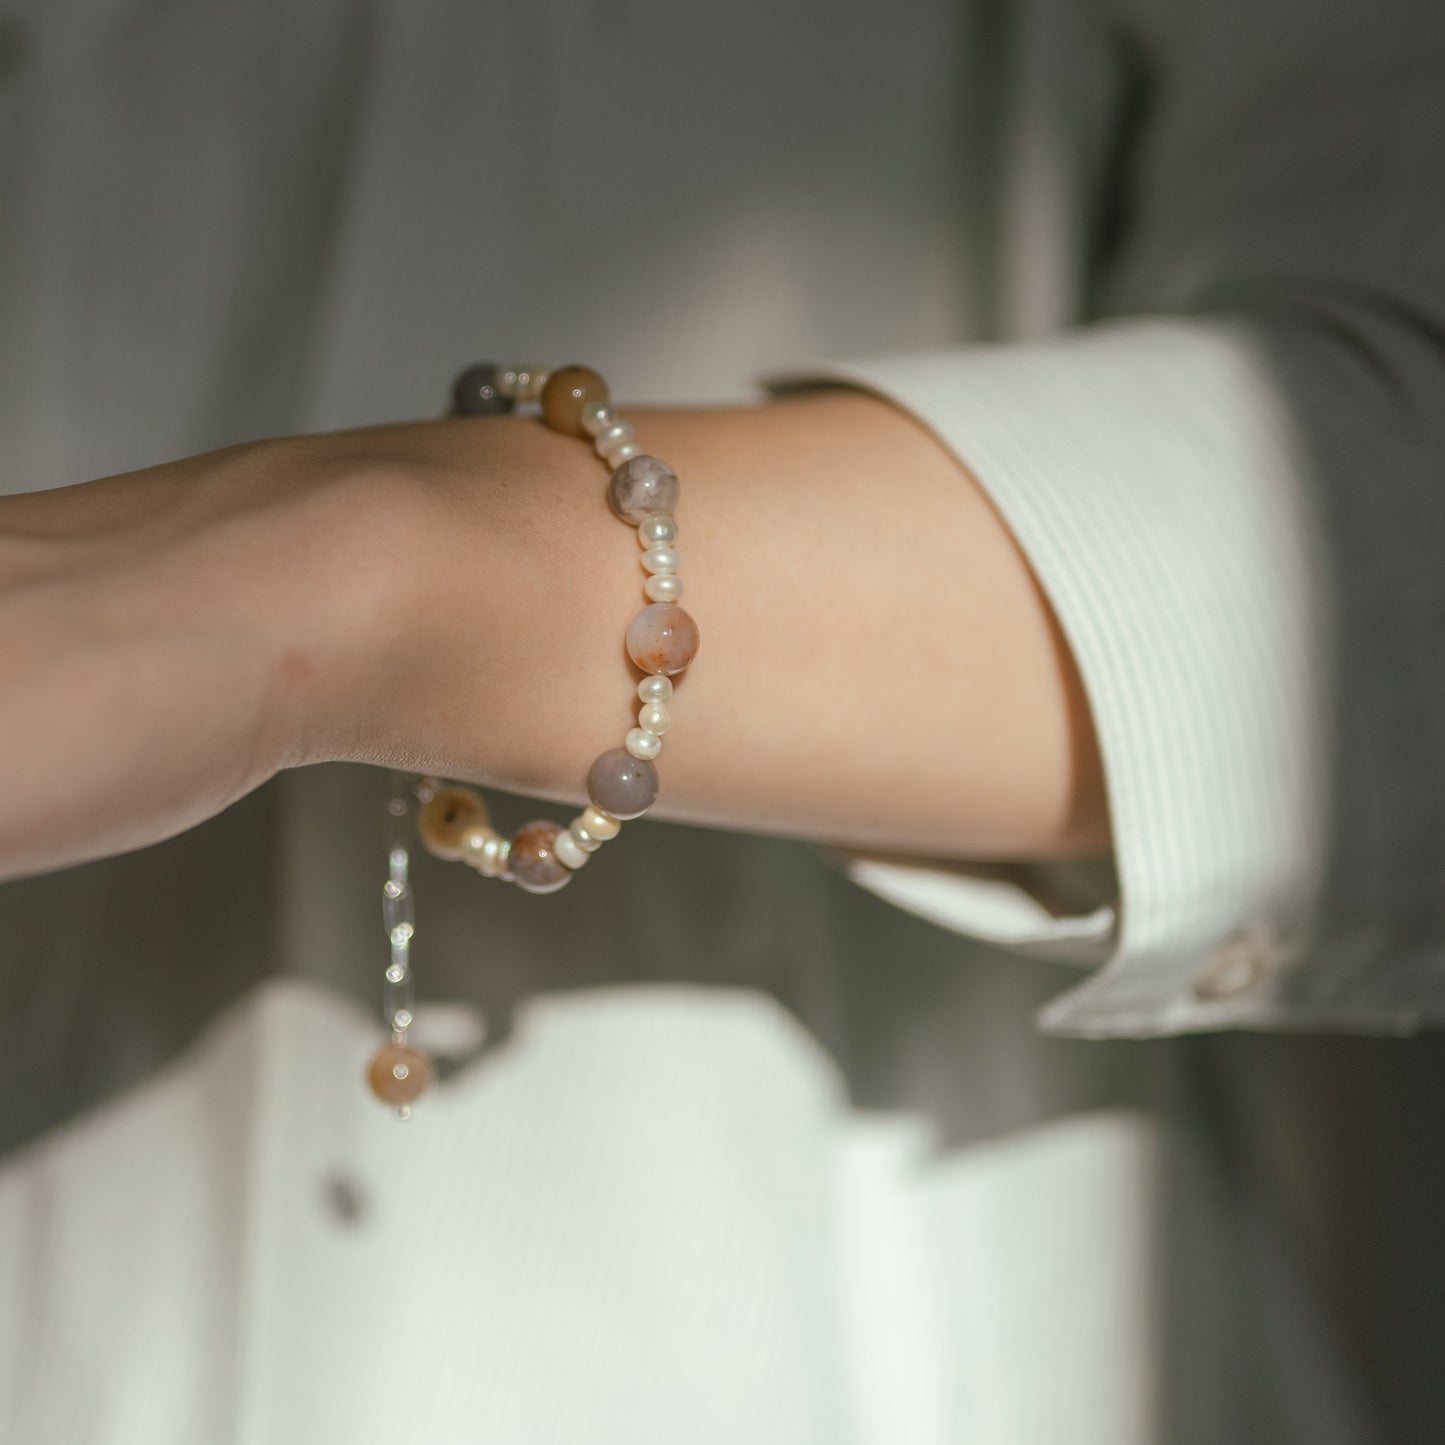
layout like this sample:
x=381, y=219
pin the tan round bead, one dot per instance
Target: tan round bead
x=662, y=638
x=398, y=1074
x=533, y=861
x=448, y=819
x=566, y=393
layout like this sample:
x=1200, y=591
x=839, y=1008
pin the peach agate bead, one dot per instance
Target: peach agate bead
x=662, y=638
x=398, y=1075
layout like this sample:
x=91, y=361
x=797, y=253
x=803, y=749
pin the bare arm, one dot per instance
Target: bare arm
x=878, y=667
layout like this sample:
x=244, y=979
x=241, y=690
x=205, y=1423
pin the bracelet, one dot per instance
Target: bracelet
x=453, y=821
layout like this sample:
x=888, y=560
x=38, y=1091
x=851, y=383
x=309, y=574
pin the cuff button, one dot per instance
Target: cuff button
x=1237, y=966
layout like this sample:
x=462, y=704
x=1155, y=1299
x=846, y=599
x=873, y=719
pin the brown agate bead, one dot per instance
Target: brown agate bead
x=643, y=487
x=662, y=638
x=566, y=393
x=621, y=785
x=533, y=861
x=447, y=818
x=398, y=1074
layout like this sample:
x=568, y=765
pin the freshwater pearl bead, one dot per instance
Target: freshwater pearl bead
x=661, y=559
x=567, y=392
x=583, y=838
x=643, y=744
x=597, y=416
x=599, y=824
x=533, y=861
x=492, y=861
x=447, y=818
x=621, y=785
x=615, y=435
x=657, y=531
x=620, y=452
x=478, y=392
x=662, y=638
x=655, y=689
x=665, y=587
x=398, y=1075
x=569, y=852
x=655, y=717
x=642, y=487
x=475, y=844
x=524, y=383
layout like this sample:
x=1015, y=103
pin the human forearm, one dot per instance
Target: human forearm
x=877, y=668
x=877, y=665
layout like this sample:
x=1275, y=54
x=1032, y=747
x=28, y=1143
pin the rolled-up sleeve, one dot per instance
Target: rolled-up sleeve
x=1228, y=482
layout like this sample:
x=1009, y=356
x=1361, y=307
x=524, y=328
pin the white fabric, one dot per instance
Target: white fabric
x=1150, y=473
x=709, y=1261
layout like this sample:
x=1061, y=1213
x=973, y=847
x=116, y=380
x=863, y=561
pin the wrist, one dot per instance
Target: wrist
x=454, y=567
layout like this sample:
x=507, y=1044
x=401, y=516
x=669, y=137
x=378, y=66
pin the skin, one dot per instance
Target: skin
x=878, y=667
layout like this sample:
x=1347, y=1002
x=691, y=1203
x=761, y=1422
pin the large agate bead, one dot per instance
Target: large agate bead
x=621, y=785
x=643, y=487
x=662, y=638
x=533, y=861
x=566, y=393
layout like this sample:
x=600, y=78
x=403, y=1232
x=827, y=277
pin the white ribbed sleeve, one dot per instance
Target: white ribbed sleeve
x=1149, y=474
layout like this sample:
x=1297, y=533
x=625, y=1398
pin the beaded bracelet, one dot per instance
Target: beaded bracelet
x=662, y=639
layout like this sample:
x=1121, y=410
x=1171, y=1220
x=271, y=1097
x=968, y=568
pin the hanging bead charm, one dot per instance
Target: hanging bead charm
x=398, y=1073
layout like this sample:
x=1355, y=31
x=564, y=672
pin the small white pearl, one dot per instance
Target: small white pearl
x=569, y=850
x=655, y=689
x=583, y=838
x=665, y=587
x=661, y=559
x=600, y=824
x=643, y=744
x=529, y=383
x=655, y=531
x=620, y=452
x=619, y=432
x=654, y=717
x=598, y=416
x=475, y=844
x=492, y=860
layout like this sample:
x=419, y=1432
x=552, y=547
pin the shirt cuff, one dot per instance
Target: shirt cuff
x=1149, y=472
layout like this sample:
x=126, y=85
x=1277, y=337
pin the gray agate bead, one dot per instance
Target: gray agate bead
x=642, y=487
x=478, y=392
x=621, y=785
